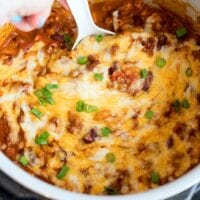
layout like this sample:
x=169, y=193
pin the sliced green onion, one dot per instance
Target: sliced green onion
x=36, y=112
x=80, y=106
x=143, y=73
x=42, y=139
x=45, y=95
x=99, y=38
x=189, y=72
x=68, y=40
x=50, y=100
x=98, y=77
x=46, y=92
x=82, y=60
x=62, y=173
x=180, y=32
x=110, y=157
x=155, y=178
x=23, y=160
x=149, y=114
x=110, y=191
x=185, y=104
x=51, y=86
x=89, y=108
x=105, y=131
x=176, y=105
x=160, y=62
x=39, y=93
x=42, y=101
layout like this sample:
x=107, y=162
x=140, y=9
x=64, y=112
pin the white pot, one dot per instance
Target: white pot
x=184, y=8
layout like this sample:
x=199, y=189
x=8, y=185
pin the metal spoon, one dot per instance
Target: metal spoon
x=84, y=21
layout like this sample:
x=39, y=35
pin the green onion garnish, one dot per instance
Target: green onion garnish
x=110, y=191
x=23, y=160
x=36, y=112
x=189, y=72
x=99, y=38
x=149, y=114
x=50, y=100
x=81, y=106
x=39, y=93
x=180, y=32
x=176, y=105
x=52, y=86
x=160, y=62
x=185, y=103
x=62, y=173
x=82, y=60
x=110, y=157
x=143, y=73
x=98, y=77
x=155, y=178
x=44, y=95
x=90, y=108
x=42, y=139
x=105, y=132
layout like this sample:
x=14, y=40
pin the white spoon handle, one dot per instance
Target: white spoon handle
x=82, y=16
x=84, y=21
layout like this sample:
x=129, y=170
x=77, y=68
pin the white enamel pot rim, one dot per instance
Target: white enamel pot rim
x=52, y=192
x=19, y=175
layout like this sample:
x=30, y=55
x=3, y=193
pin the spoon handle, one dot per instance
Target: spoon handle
x=84, y=21
x=82, y=15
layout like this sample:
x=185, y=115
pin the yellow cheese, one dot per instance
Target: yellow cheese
x=140, y=144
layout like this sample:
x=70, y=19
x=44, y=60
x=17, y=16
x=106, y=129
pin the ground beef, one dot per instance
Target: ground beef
x=162, y=40
x=92, y=62
x=148, y=81
x=196, y=54
x=75, y=123
x=149, y=45
x=90, y=137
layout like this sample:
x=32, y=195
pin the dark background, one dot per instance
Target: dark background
x=10, y=190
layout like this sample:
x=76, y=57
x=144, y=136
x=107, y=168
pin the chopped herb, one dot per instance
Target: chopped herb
x=23, y=160
x=155, y=177
x=180, y=32
x=189, y=72
x=160, y=62
x=50, y=100
x=98, y=77
x=42, y=139
x=110, y=157
x=39, y=93
x=176, y=105
x=82, y=60
x=68, y=40
x=46, y=92
x=143, y=73
x=81, y=106
x=36, y=112
x=149, y=114
x=62, y=173
x=110, y=191
x=105, y=131
x=45, y=95
x=51, y=86
x=90, y=108
x=185, y=103
x=99, y=38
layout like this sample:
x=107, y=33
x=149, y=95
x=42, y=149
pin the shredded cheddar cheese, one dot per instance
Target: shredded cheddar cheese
x=133, y=127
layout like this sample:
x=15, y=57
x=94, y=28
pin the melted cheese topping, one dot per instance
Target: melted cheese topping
x=168, y=143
